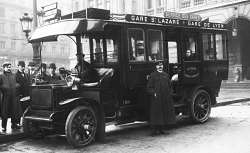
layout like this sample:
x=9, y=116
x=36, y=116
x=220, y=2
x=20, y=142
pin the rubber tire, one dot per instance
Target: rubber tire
x=208, y=98
x=68, y=126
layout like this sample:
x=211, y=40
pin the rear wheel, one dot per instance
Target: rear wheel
x=81, y=126
x=200, y=106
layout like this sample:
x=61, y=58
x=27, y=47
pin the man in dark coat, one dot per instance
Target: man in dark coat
x=161, y=106
x=23, y=81
x=86, y=73
x=9, y=104
x=31, y=73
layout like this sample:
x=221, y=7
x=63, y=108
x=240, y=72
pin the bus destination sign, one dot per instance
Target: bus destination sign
x=170, y=21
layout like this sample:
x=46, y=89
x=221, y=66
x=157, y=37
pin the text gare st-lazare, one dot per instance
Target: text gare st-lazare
x=157, y=20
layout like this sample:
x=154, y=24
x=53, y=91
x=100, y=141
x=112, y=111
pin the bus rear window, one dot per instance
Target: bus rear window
x=220, y=47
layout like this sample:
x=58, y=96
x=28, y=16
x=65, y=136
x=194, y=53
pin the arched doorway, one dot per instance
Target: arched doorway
x=239, y=49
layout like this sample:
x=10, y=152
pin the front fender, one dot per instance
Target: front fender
x=68, y=101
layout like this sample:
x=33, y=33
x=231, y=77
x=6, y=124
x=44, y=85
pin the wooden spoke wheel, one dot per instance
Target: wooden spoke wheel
x=200, y=106
x=81, y=125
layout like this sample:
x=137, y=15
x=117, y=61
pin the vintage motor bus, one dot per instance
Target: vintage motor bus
x=121, y=51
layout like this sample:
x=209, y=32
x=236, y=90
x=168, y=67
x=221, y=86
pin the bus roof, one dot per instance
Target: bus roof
x=77, y=23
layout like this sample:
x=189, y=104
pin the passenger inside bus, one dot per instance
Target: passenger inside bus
x=191, y=50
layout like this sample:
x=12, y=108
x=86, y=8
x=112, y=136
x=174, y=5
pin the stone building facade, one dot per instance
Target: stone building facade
x=13, y=44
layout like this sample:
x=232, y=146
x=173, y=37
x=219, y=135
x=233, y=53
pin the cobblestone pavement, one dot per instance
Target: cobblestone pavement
x=227, y=131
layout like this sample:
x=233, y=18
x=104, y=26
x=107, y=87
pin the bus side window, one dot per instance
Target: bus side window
x=98, y=50
x=112, y=50
x=155, y=45
x=136, y=45
x=191, y=49
x=172, y=52
x=220, y=47
x=208, y=46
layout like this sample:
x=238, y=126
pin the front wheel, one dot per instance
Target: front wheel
x=80, y=127
x=200, y=106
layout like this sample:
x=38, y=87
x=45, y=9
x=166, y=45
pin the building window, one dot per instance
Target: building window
x=2, y=12
x=185, y=3
x=12, y=28
x=53, y=51
x=77, y=6
x=159, y=3
x=107, y=4
x=199, y=2
x=134, y=7
x=91, y=3
x=99, y=3
x=2, y=44
x=2, y=28
x=62, y=51
x=149, y=4
x=13, y=44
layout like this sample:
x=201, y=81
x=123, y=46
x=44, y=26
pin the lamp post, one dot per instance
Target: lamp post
x=26, y=24
x=234, y=26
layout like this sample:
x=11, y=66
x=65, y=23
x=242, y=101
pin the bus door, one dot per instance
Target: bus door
x=142, y=53
x=190, y=58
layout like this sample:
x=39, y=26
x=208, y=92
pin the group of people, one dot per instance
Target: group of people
x=14, y=86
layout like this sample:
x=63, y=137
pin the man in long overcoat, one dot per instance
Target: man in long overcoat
x=23, y=81
x=161, y=105
x=9, y=104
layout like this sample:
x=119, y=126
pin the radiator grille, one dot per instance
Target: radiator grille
x=41, y=98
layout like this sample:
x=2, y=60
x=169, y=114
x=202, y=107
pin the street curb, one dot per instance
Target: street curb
x=231, y=102
x=4, y=138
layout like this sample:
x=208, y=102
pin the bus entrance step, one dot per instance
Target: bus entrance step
x=180, y=105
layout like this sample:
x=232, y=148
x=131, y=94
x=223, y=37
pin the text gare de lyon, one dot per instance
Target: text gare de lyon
x=168, y=21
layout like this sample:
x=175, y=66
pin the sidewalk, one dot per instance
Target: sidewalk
x=226, y=97
x=10, y=135
x=230, y=96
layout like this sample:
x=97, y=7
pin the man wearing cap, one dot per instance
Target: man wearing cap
x=53, y=77
x=161, y=106
x=63, y=73
x=9, y=104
